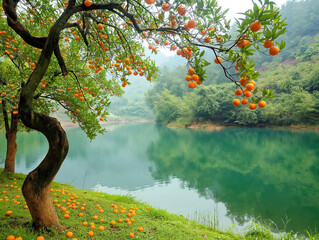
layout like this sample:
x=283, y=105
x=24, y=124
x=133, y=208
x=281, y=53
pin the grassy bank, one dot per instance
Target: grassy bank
x=207, y=125
x=156, y=224
x=107, y=217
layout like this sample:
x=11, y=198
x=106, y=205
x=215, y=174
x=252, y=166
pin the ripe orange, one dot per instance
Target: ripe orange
x=244, y=101
x=87, y=3
x=247, y=94
x=11, y=237
x=191, y=23
x=192, y=85
x=181, y=10
x=91, y=233
x=218, y=60
x=84, y=223
x=191, y=71
x=101, y=228
x=40, y=238
x=252, y=106
x=250, y=86
x=8, y=213
x=268, y=43
x=166, y=7
x=101, y=119
x=131, y=235
x=261, y=104
x=188, y=78
x=243, y=82
x=77, y=38
x=140, y=229
x=195, y=77
x=219, y=39
x=236, y=102
x=238, y=92
x=207, y=39
x=112, y=222
x=69, y=234
x=149, y=2
x=255, y=26
x=273, y=51
x=100, y=26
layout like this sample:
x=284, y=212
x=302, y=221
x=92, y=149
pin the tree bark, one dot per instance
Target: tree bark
x=37, y=185
x=11, y=136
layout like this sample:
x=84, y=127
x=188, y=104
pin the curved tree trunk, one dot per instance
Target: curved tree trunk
x=37, y=185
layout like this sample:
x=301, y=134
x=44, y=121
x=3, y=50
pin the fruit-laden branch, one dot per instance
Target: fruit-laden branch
x=12, y=19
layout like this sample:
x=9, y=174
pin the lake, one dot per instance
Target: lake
x=228, y=177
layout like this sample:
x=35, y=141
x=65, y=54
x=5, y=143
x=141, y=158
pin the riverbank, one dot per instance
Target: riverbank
x=92, y=211
x=210, y=126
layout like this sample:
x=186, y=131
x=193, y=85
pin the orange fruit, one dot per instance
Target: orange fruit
x=112, y=222
x=195, y=77
x=40, y=238
x=77, y=38
x=261, y=104
x=84, y=223
x=140, y=229
x=188, y=78
x=149, y=2
x=181, y=10
x=252, y=106
x=69, y=234
x=238, y=92
x=191, y=71
x=166, y=7
x=255, y=26
x=250, y=86
x=87, y=3
x=131, y=235
x=207, y=39
x=273, y=51
x=91, y=233
x=192, y=85
x=191, y=23
x=218, y=60
x=219, y=39
x=100, y=26
x=236, y=102
x=8, y=213
x=11, y=237
x=268, y=43
x=247, y=94
x=244, y=101
x=101, y=228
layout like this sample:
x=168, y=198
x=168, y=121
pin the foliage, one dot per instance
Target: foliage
x=295, y=81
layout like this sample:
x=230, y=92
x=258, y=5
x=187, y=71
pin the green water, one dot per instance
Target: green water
x=235, y=175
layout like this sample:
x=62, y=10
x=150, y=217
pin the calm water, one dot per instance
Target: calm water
x=234, y=175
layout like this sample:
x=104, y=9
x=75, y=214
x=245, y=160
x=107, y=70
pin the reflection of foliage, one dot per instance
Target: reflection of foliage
x=254, y=172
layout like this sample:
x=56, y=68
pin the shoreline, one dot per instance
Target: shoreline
x=217, y=127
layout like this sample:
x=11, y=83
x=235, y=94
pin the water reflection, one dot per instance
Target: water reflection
x=234, y=174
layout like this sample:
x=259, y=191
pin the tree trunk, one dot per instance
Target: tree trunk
x=37, y=185
x=11, y=151
x=11, y=136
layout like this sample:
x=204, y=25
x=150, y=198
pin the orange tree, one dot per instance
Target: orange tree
x=97, y=45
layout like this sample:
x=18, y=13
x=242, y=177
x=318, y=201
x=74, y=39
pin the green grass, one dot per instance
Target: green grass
x=157, y=224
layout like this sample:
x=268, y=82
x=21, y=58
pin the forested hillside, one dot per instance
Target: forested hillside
x=293, y=75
